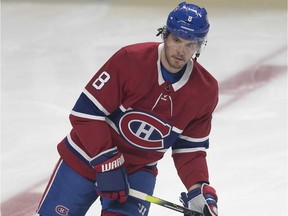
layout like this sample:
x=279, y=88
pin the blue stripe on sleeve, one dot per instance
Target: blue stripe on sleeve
x=86, y=106
x=184, y=144
x=103, y=156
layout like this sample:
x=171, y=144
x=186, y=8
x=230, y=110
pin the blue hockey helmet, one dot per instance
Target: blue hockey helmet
x=188, y=21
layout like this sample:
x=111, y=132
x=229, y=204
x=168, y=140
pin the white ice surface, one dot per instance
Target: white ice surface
x=50, y=51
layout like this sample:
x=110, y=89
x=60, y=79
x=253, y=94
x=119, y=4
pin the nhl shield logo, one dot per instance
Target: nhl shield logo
x=62, y=210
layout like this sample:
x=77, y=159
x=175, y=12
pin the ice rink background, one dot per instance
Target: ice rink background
x=51, y=50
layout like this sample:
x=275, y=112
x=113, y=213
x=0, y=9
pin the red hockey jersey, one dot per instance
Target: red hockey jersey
x=129, y=106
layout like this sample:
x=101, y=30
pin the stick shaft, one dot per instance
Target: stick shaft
x=161, y=202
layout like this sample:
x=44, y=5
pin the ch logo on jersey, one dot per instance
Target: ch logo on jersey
x=143, y=130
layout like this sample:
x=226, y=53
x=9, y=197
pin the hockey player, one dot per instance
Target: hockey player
x=146, y=98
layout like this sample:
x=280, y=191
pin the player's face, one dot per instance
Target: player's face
x=177, y=52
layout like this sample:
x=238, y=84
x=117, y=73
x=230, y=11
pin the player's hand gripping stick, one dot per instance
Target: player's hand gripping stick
x=111, y=177
x=202, y=199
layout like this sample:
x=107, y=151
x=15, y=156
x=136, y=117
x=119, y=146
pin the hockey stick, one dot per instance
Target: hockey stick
x=164, y=203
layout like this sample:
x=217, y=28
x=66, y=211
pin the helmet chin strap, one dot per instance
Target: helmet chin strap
x=160, y=31
x=197, y=54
